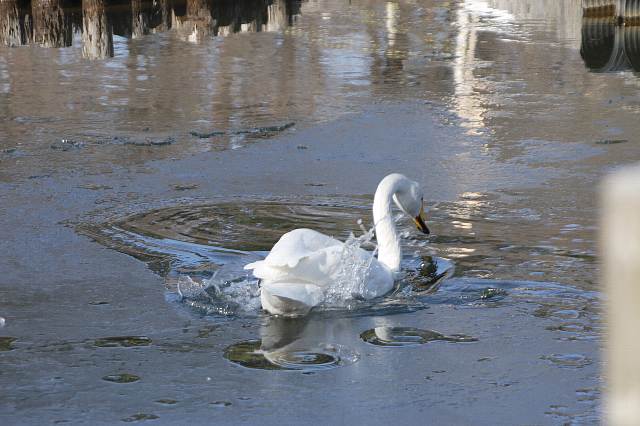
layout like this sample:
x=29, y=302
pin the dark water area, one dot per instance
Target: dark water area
x=150, y=149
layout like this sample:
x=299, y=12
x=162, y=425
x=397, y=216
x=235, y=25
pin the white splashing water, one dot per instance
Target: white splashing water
x=221, y=294
x=354, y=270
x=231, y=291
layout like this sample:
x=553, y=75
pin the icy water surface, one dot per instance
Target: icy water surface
x=200, y=250
x=150, y=149
x=187, y=76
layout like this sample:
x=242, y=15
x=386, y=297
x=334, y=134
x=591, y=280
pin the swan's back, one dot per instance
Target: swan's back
x=296, y=245
x=304, y=264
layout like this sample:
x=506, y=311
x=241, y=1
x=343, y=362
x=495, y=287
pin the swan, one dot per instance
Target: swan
x=302, y=266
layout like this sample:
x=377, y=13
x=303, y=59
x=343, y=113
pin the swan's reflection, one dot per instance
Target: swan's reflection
x=611, y=42
x=409, y=336
x=302, y=344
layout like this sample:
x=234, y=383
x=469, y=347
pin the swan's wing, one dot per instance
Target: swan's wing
x=301, y=256
x=295, y=246
x=303, y=263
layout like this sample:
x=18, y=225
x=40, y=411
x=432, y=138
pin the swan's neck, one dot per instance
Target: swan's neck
x=389, y=252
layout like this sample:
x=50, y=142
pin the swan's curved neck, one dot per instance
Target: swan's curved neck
x=389, y=252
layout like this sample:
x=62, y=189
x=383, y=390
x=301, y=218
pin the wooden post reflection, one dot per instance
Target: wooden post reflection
x=51, y=26
x=97, y=32
x=139, y=19
x=277, y=17
x=198, y=23
x=164, y=15
x=15, y=27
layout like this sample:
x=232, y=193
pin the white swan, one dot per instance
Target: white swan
x=304, y=264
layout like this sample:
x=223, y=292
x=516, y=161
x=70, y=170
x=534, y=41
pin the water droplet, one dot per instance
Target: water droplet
x=2, y=322
x=407, y=336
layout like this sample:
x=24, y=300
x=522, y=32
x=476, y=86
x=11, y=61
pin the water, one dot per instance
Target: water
x=407, y=336
x=472, y=57
x=203, y=250
x=283, y=347
x=184, y=137
x=121, y=378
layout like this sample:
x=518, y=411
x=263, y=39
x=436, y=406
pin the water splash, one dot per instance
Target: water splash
x=230, y=291
x=354, y=269
x=201, y=249
x=219, y=295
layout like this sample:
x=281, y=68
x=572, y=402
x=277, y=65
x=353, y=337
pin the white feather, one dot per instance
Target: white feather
x=304, y=264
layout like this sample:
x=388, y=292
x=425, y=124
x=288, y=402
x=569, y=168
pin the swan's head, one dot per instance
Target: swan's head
x=410, y=199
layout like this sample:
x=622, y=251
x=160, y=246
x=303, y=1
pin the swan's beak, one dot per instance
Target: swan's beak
x=419, y=220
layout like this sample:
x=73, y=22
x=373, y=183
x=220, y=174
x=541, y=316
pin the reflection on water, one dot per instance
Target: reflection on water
x=97, y=31
x=484, y=237
x=51, y=24
x=611, y=42
x=201, y=251
x=408, y=336
x=56, y=23
x=496, y=65
x=509, y=71
x=292, y=344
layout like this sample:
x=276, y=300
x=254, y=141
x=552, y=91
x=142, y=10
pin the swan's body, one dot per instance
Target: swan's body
x=303, y=265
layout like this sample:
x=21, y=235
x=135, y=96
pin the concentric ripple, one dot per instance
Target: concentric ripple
x=201, y=249
x=251, y=354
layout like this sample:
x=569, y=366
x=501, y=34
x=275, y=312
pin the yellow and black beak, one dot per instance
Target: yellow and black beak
x=419, y=221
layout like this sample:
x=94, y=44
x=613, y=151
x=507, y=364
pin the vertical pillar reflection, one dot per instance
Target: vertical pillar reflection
x=139, y=19
x=197, y=24
x=97, y=32
x=51, y=26
x=277, y=17
x=15, y=28
x=161, y=16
